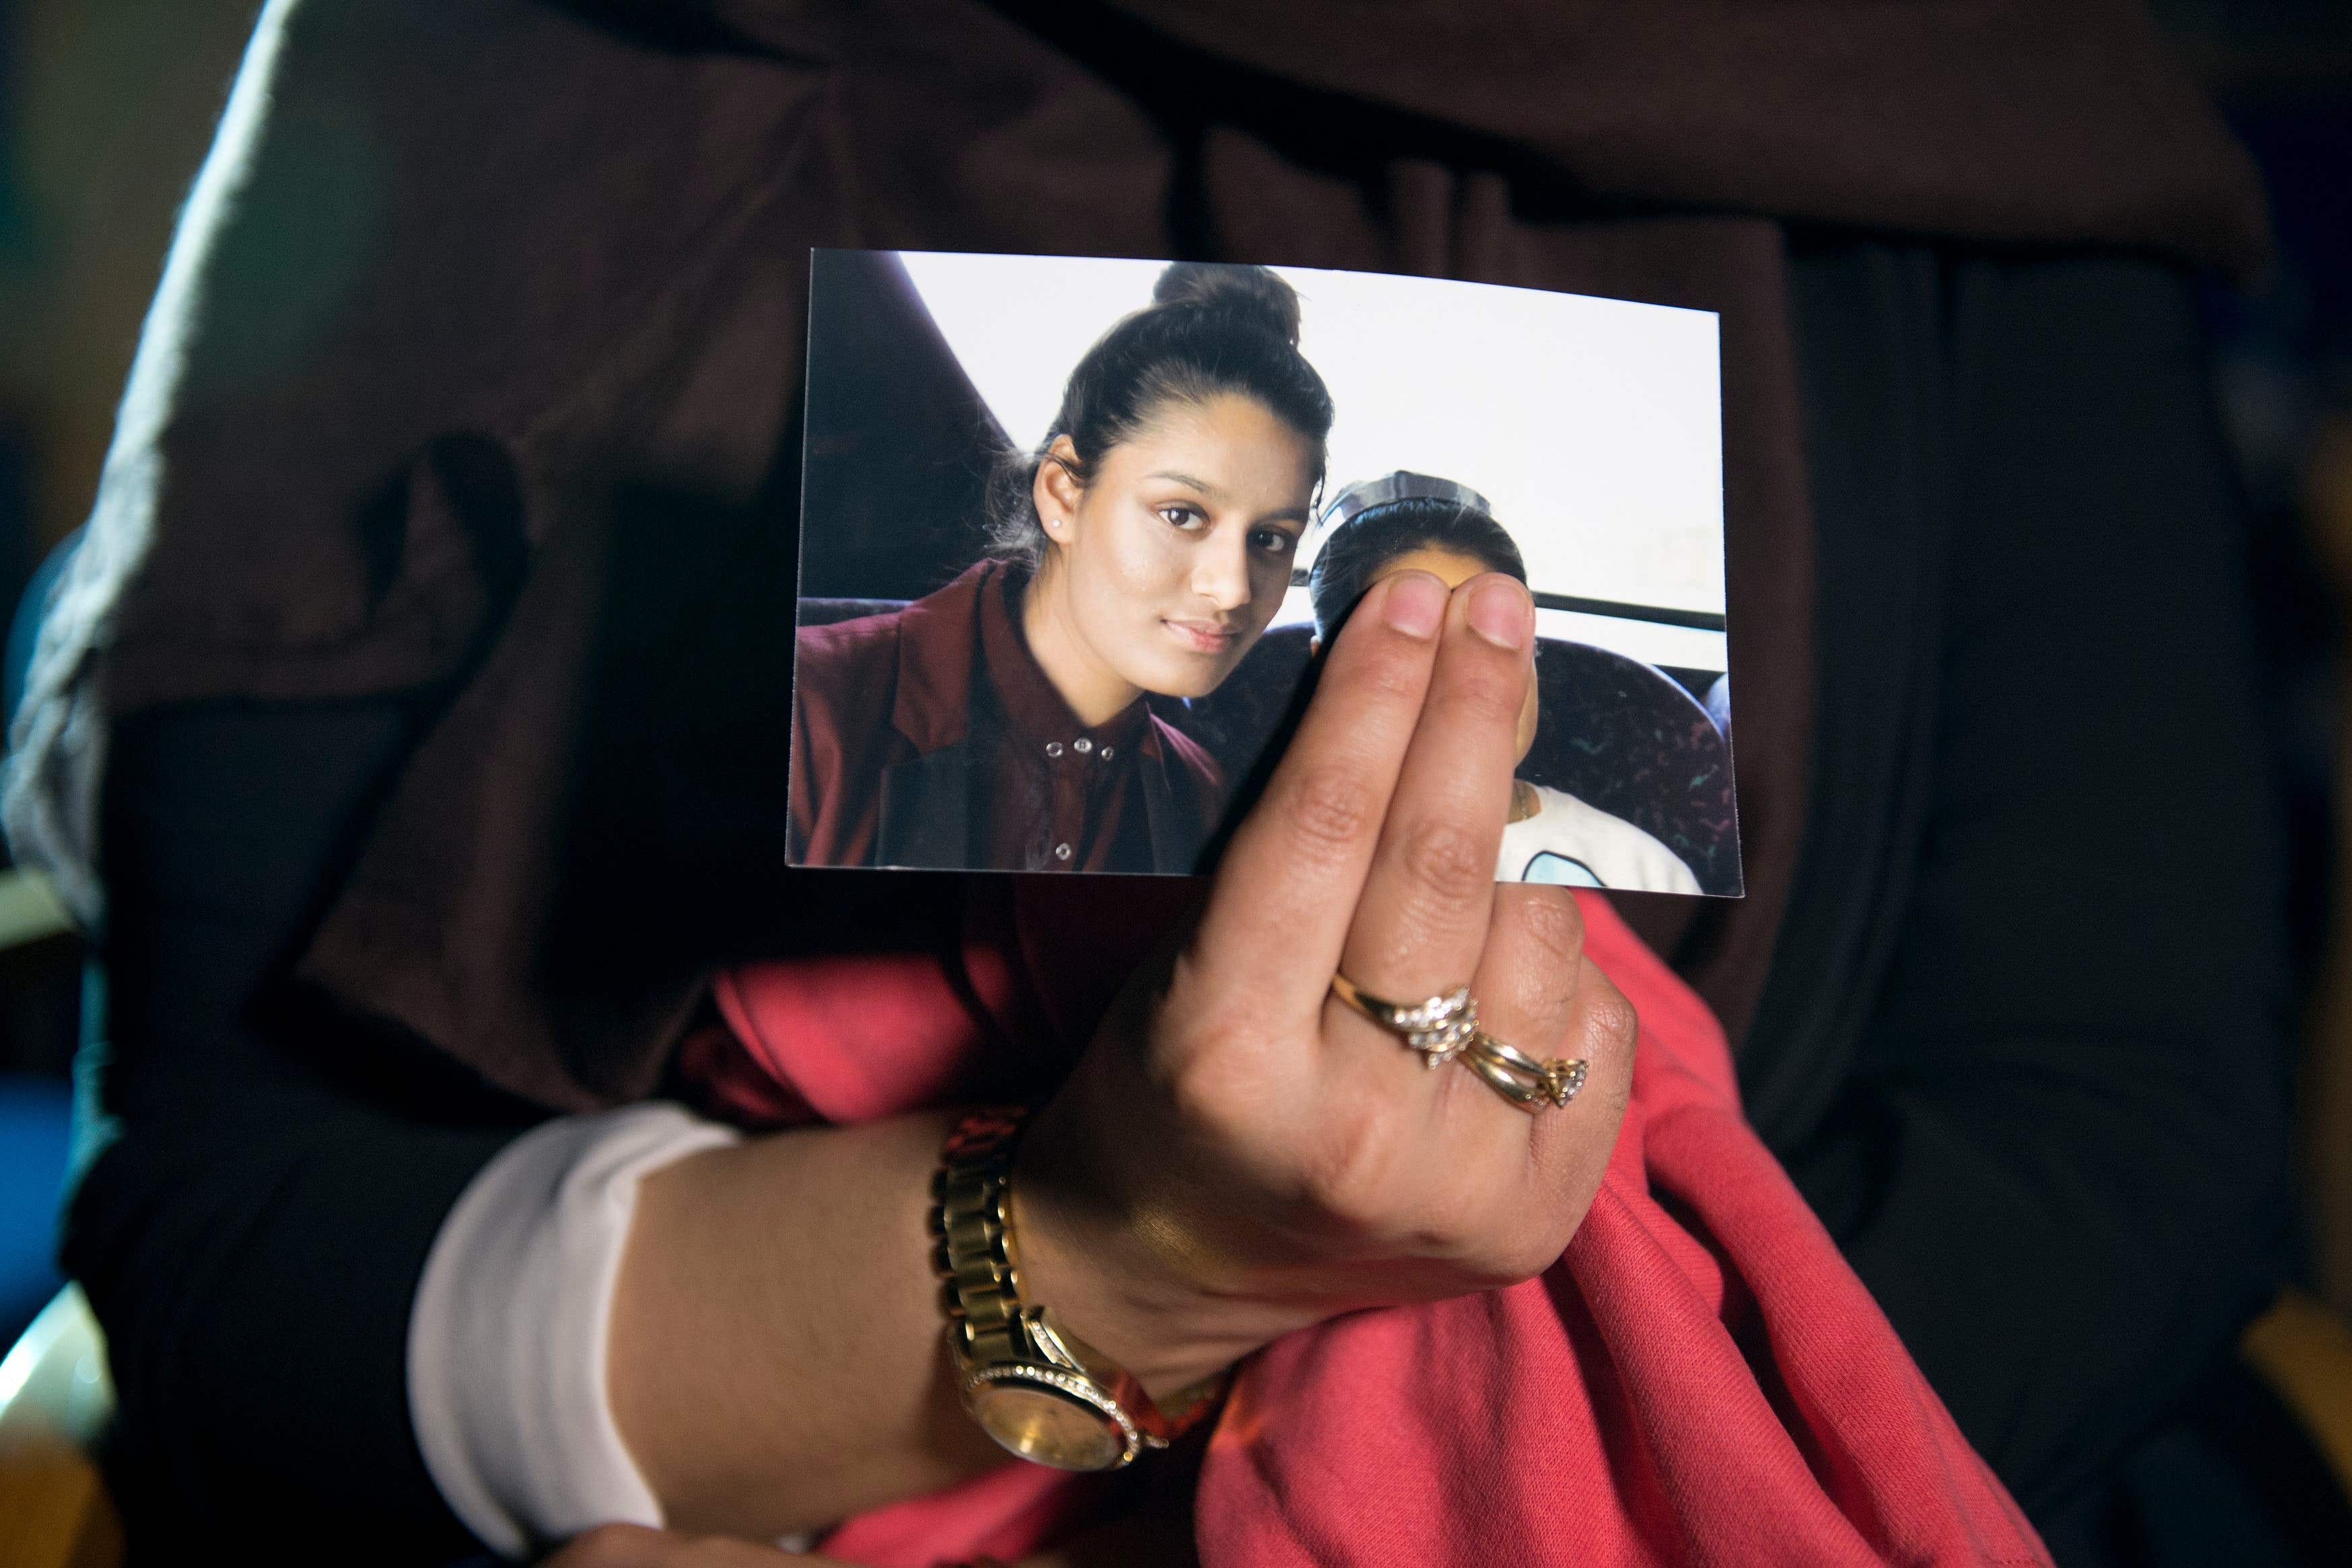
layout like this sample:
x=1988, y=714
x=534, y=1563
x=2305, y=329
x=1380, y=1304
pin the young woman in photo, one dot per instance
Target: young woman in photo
x=1001, y=722
x=1407, y=522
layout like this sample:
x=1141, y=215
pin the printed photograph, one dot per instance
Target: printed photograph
x=1075, y=532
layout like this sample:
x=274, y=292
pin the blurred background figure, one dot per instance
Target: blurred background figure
x=107, y=107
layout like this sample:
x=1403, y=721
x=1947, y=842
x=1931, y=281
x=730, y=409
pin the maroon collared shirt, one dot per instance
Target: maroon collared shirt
x=884, y=700
x=1062, y=796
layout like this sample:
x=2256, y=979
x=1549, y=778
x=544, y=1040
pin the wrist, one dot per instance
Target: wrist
x=1025, y=1376
x=1126, y=1274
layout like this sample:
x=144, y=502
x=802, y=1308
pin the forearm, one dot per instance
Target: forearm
x=807, y=1256
x=776, y=1356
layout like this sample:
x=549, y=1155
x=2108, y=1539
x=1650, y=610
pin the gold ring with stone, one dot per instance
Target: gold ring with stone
x=1530, y=1084
x=1437, y=1029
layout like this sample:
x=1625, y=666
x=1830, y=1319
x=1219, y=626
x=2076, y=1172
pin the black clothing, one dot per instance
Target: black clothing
x=2022, y=1046
x=259, y=1211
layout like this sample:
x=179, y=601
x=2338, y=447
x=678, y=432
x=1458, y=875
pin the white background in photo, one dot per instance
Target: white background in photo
x=1594, y=426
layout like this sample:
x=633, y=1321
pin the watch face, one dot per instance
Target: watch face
x=1048, y=1424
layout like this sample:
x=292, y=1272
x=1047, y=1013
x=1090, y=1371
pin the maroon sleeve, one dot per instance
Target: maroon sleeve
x=844, y=682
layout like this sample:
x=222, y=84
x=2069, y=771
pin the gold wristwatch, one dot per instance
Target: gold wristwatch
x=1032, y=1385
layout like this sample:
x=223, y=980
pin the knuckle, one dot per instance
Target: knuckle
x=1204, y=1079
x=1329, y=811
x=1447, y=860
x=1200, y=1094
x=1347, y=1172
x=1548, y=920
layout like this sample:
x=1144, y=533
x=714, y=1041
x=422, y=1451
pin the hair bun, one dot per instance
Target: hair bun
x=1253, y=294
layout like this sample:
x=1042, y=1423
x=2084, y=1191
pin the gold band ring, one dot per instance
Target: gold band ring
x=1518, y=1078
x=1437, y=1029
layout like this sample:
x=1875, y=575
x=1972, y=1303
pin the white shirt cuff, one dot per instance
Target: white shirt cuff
x=508, y=1337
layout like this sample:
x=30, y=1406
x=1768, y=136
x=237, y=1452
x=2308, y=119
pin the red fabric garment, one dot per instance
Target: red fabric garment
x=1700, y=1379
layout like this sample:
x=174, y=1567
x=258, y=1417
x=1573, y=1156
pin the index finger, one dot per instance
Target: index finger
x=1286, y=892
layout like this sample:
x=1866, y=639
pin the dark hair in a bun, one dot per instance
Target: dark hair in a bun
x=1212, y=328
x=1249, y=294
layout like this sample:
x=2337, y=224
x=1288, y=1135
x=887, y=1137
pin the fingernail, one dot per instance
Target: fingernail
x=1416, y=603
x=1499, y=611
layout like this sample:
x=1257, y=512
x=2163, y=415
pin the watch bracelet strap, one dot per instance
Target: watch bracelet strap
x=976, y=1255
x=973, y=1250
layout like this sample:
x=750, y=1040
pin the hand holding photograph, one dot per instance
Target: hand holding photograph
x=1075, y=532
